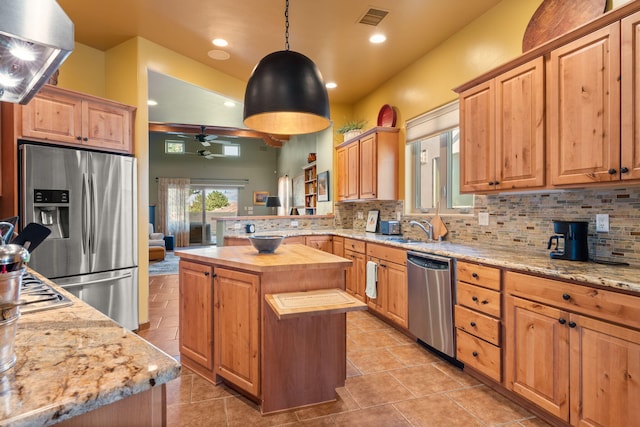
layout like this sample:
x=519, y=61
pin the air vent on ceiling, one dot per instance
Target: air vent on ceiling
x=373, y=16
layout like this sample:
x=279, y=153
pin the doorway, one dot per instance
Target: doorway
x=206, y=203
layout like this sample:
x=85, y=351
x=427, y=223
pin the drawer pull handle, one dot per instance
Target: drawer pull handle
x=474, y=298
x=474, y=275
x=475, y=354
x=473, y=324
x=484, y=302
x=562, y=321
x=572, y=324
x=566, y=297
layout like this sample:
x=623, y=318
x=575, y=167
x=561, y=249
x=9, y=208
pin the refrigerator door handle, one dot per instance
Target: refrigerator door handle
x=97, y=281
x=85, y=234
x=92, y=213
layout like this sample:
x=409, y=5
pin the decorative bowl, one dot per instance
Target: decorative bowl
x=266, y=244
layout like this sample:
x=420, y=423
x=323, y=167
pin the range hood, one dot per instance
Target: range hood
x=36, y=36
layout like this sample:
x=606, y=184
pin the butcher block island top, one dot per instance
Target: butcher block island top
x=278, y=330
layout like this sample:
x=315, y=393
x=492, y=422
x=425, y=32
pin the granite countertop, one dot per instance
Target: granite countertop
x=72, y=360
x=622, y=278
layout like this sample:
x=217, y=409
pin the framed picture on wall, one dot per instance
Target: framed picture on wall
x=260, y=198
x=323, y=186
x=372, y=222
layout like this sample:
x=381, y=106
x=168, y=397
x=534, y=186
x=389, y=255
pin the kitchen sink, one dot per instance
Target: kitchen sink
x=404, y=241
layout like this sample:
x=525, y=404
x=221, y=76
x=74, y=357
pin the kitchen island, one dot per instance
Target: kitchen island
x=75, y=366
x=272, y=326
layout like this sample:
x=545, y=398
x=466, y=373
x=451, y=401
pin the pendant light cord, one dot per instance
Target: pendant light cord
x=286, y=26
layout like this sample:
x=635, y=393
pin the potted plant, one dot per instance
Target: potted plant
x=351, y=129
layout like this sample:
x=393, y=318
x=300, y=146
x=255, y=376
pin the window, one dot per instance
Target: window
x=231, y=150
x=433, y=159
x=173, y=147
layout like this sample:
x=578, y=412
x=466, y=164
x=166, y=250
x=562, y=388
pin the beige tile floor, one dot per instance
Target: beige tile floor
x=391, y=381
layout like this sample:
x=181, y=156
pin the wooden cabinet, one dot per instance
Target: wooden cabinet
x=573, y=350
x=196, y=316
x=337, y=244
x=584, y=109
x=323, y=243
x=392, y=290
x=237, y=328
x=478, y=316
x=630, y=137
x=502, y=131
x=60, y=116
x=310, y=187
x=367, y=168
x=355, y=250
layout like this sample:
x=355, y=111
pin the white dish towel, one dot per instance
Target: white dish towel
x=372, y=278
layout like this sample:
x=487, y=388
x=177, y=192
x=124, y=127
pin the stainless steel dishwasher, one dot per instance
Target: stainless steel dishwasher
x=431, y=300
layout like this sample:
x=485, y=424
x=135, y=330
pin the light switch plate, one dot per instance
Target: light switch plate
x=294, y=223
x=483, y=218
x=602, y=223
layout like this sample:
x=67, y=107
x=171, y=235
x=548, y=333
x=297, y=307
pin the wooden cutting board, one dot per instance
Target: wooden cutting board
x=554, y=18
x=439, y=228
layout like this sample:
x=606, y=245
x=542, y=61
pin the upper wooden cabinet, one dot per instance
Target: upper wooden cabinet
x=584, y=109
x=368, y=166
x=502, y=131
x=60, y=116
x=630, y=146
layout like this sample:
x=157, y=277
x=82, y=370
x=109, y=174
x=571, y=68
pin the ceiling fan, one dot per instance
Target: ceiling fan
x=203, y=138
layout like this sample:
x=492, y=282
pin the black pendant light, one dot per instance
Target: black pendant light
x=286, y=94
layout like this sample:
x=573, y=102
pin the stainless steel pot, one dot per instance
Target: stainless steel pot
x=12, y=257
x=10, y=284
x=8, y=330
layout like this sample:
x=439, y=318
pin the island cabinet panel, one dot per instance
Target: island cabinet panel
x=60, y=116
x=196, y=315
x=584, y=109
x=573, y=350
x=237, y=328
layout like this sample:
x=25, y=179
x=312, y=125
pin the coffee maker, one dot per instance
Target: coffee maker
x=575, y=246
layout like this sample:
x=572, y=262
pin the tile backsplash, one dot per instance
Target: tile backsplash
x=525, y=220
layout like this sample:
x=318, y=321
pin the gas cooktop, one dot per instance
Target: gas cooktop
x=35, y=295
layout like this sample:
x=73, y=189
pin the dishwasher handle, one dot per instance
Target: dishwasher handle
x=429, y=262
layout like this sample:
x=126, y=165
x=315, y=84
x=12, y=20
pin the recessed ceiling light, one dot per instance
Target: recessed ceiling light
x=331, y=85
x=377, y=38
x=218, y=54
x=220, y=42
x=152, y=102
x=229, y=104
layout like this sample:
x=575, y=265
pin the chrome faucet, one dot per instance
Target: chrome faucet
x=428, y=232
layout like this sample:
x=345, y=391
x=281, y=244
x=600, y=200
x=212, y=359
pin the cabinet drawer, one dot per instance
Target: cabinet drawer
x=355, y=245
x=387, y=253
x=480, y=275
x=603, y=304
x=477, y=298
x=478, y=324
x=479, y=355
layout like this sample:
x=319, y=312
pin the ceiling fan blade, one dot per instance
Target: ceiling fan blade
x=205, y=143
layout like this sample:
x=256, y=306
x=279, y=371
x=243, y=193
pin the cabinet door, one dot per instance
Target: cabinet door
x=53, y=117
x=379, y=304
x=342, y=173
x=537, y=354
x=605, y=367
x=353, y=171
x=519, y=134
x=196, y=313
x=584, y=108
x=322, y=243
x=106, y=126
x=397, y=298
x=477, y=133
x=236, y=317
x=630, y=148
x=338, y=246
x=368, y=167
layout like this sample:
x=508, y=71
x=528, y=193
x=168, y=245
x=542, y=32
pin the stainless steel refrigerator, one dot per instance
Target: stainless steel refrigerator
x=88, y=200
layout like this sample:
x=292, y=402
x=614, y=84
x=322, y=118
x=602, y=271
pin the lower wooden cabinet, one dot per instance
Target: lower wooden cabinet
x=567, y=351
x=392, y=289
x=196, y=325
x=323, y=243
x=338, y=246
x=237, y=328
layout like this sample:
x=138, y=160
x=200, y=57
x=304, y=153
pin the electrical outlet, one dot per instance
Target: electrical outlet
x=294, y=223
x=602, y=223
x=237, y=226
x=359, y=215
x=483, y=218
